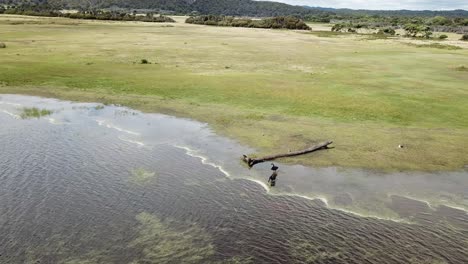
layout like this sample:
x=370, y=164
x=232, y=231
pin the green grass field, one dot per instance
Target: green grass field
x=272, y=89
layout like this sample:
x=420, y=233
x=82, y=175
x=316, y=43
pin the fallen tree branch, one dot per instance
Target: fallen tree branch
x=252, y=161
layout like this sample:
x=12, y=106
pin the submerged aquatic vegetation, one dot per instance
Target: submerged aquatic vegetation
x=156, y=241
x=142, y=176
x=306, y=251
x=59, y=249
x=160, y=243
x=99, y=107
x=125, y=113
x=34, y=112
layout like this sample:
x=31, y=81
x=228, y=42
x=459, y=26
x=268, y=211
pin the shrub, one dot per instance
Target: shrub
x=413, y=30
x=90, y=14
x=2, y=45
x=386, y=31
x=144, y=61
x=287, y=22
x=464, y=37
x=443, y=37
x=347, y=27
x=338, y=27
x=441, y=21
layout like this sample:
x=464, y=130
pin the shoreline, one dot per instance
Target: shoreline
x=179, y=109
x=327, y=198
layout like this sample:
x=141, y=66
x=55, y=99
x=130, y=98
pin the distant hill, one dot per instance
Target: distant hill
x=227, y=7
x=249, y=8
x=408, y=13
x=215, y=7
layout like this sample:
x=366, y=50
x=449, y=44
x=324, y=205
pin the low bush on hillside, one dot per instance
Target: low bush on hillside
x=464, y=37
x=2, y=45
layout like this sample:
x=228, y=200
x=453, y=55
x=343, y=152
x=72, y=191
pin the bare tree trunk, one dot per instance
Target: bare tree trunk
x=252, y=161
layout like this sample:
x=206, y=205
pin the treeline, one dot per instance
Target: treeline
x=113, y=15
x=249, y=8
x=389, y=20
x=281, y=22
x=438, y=23
x=412, y=30
x=93, y=14
x=216, y=7
x=448, y=21
x=343, y=12
x=236, y=8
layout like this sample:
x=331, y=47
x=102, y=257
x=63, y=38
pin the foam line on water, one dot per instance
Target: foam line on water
x=13, y=104
x=54, y=122
x=433, y=206
x=264, y=185
x=323, y=199
x=139, y=143
x=11, y=114
x=417, y=200
x=111, y=126
x=203, y=159
x=397, y=220
x=328, y=205
x=457, y=208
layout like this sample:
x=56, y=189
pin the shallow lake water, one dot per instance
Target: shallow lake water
x=106, y=184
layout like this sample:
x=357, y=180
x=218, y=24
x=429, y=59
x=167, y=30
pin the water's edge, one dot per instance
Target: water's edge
x=363, y=193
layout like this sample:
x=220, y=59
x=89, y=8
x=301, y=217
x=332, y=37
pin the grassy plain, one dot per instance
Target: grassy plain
x=272, y=89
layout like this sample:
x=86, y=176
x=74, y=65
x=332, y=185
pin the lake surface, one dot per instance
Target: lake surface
x=106, y=184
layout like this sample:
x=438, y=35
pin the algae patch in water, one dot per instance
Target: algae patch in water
x=159, y=243
x=125, y=112
x=99, y=107
x=34, y=112
x=142, y=176
x=306, y=251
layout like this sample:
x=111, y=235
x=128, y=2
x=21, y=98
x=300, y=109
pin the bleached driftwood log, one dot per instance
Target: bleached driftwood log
x=252, y=161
